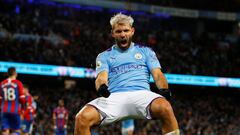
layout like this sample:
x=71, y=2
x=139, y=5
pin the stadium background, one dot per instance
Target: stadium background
x=46, y=32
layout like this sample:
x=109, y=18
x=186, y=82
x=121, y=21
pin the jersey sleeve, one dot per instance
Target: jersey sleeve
x=1, y=91
x=101, y=63
x=21, y=93
x=151, y=59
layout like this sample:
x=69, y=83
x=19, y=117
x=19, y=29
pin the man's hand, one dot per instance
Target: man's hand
x=65, y=126
x=103, y=91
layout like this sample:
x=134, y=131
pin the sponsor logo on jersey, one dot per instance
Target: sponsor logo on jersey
x=125, y=68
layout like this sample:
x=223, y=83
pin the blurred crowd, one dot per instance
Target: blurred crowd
x=213, y=5
x=197, y=114
x=73, y=36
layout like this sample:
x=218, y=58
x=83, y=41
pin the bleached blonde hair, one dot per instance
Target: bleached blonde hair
x=120, y=18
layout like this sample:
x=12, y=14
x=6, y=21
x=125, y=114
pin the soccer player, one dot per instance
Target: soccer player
x=127, y=127
x=60, y=119
x=29, y=112
x=12, y=97
x=122, y=81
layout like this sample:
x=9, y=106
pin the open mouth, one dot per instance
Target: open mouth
x=123, y=42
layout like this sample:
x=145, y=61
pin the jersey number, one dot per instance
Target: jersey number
x=9, y=94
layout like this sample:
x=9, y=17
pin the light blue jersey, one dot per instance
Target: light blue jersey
x=128, y=70
x=128, y=123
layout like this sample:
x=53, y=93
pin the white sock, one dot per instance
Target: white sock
x=175, y=132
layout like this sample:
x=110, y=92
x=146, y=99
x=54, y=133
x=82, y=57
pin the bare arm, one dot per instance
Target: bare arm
x=54, y=119
x=66, y=118
x=102, y=78
x=159, y=78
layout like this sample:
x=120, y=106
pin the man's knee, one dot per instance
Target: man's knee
x=5, y=133
x=82, y=119
x=87, y=116
x=161, y=108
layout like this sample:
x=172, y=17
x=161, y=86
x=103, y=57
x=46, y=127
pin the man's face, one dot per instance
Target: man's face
x=15, y=74
x=25, y=90
x=122, y=33
x=61, y=103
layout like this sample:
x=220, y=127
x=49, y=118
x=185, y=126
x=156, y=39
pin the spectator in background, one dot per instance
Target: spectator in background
x=29, y=112
x=127, y=127
x=60, y=119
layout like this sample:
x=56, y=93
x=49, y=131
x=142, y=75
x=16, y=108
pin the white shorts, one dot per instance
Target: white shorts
x=122, y=105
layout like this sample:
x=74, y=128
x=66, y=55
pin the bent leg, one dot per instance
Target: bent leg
x=85, y=119
x=5, y=132
x=160, y=108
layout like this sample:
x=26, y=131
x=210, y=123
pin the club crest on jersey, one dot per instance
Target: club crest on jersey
x=138, y=56
x=98, y=64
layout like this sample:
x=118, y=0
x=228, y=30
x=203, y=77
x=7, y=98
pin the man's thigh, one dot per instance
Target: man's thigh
x=161, y=108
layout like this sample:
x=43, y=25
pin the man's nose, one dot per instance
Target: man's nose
x=122, y=34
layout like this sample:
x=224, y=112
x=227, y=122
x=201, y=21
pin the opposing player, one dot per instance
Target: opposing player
x=123, y=73
x=12, y=97
x=60, y=119
x=127, y=127
x=29, y=112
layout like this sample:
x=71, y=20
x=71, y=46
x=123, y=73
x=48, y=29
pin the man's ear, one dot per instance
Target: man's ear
x=133, y=31
x=112, y=33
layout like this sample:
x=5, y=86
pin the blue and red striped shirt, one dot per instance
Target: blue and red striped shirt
x=60, y=115
x=11, y=96
x=29, y=110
